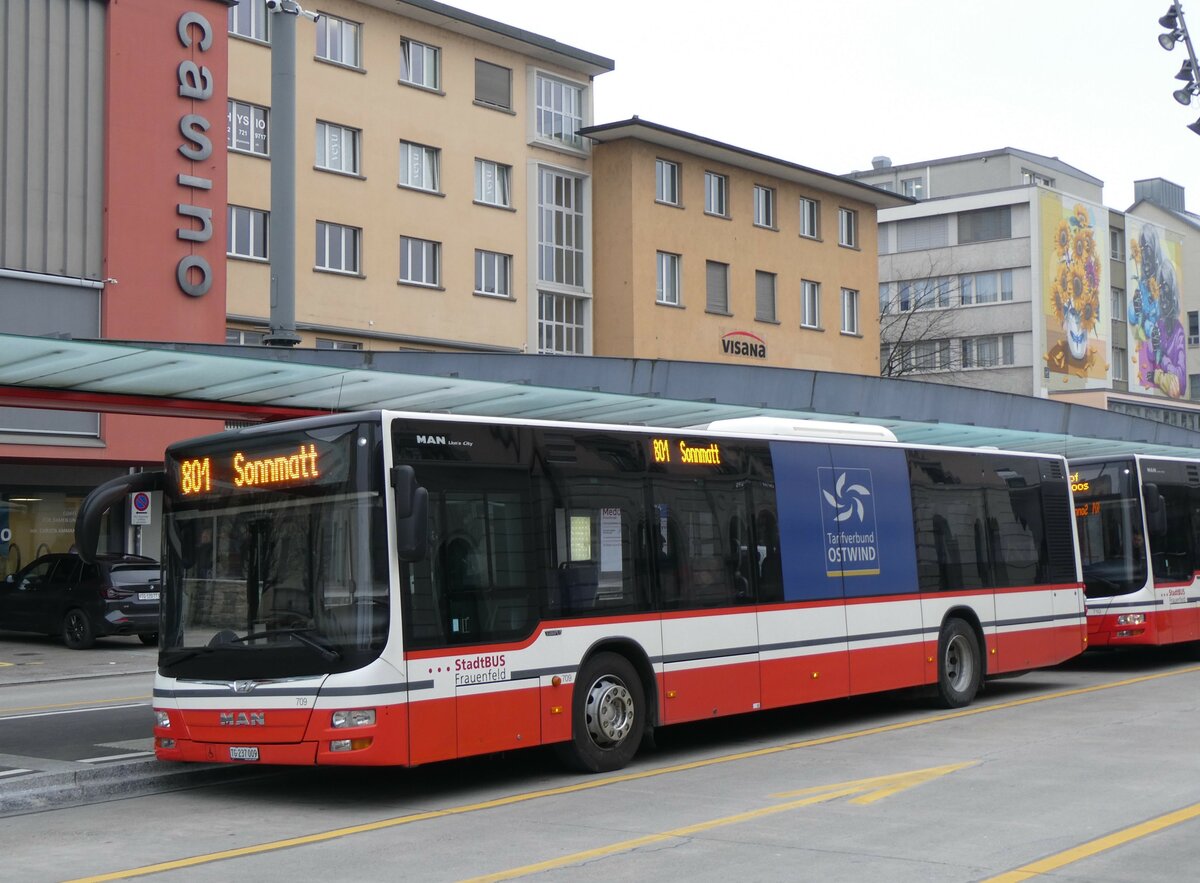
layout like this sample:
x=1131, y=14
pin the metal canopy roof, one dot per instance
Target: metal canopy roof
x=264, y=383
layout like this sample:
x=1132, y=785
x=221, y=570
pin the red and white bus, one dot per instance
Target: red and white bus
x=1138, y=521
x=393, y=588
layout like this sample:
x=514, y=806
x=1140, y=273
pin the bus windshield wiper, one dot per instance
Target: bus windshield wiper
x=303, y=635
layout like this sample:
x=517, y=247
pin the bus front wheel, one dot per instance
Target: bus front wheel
x=608, y=715
x=960, y=664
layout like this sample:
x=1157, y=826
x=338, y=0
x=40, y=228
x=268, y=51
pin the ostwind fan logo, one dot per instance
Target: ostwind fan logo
x=847, y=501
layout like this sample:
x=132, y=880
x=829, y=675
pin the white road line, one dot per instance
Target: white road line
x=124, y=756
x=16, y=772
x=17, y=717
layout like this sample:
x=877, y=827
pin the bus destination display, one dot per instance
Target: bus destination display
x=663, y=450
x=298, y=466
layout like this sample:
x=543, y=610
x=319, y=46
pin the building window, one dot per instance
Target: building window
x=1120, y=362
x=1118, y=304
x=914, y=187
x=985, y=224
x=666, y=181
x=1193, y=327
x=986, y=288
x=420, y=262
x=249, y=19
x=810, y=304
x=559, y=110
x=1116, y=242
x=493, y=273
x=764, y=296
x=668, y=279
x=716, y=284
x=929, y=355
x=420, y=64
x=238, y=337
x=560, y=228
x=560, y=323
x=925, y=294
x=419, y=166
x=337, y=247
x=328, y=343
x=716, y=190
x=492, y=183
x=247, y=237
x=849, y=311
x=338, y=41
x=493, y=85
x=246, y=127
x=848, y=228
x=810, y=218
x=987, y=352
x=337, y=148
x=764, y=206
x=921, y=234
x=885, y=298
x=1032, y=177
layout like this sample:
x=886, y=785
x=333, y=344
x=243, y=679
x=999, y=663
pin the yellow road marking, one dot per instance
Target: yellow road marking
x=323, y=836
x=1100, y=844
x=869, y=791
x=4, y=711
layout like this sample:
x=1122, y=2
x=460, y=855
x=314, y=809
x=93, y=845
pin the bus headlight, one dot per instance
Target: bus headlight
x=359, y=717
x=1131, y=619
x=161, y=719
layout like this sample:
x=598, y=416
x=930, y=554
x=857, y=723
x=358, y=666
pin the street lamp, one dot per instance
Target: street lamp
x=1176, y=31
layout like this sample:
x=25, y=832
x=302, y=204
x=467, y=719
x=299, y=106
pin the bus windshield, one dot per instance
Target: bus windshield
x=274, y=558
x=1108, y=515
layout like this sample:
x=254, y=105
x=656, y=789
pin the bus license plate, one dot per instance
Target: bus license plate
x=243, y=753
x=147, y=596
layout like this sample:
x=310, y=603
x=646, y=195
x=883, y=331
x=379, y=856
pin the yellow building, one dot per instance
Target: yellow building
x=430, y=145
x=705, y=251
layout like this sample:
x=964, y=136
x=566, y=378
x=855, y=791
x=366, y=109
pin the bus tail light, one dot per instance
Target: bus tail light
x=359, y=717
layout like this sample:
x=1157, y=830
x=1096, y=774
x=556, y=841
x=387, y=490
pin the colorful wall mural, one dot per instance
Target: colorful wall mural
x=1075, y=282
x=1154, y=292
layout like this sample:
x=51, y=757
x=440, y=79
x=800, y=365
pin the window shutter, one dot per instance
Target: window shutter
x=717, y=282
x=764, y=296
x=493, y=84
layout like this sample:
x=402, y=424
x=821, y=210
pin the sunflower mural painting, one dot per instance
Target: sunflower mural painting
x=1157, y=340
x=1073, y=279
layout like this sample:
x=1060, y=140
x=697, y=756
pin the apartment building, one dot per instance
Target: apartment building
x=707, y=251
x=443, y=192
x=1010, y=274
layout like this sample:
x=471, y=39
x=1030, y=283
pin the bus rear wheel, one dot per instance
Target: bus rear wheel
x=960, y=664
x=608, y=715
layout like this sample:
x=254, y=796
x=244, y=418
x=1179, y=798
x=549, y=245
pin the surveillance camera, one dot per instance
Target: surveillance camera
x=274, y=5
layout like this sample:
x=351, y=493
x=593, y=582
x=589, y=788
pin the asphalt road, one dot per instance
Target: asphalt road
x=1084, y=772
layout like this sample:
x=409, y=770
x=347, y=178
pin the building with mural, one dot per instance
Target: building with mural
x=1011, y=274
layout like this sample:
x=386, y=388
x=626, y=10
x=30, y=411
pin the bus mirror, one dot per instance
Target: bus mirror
x=404, y=480
x=412, y=532
x=1156, y=509
x=95, y=504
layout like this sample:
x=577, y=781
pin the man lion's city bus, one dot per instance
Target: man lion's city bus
x=387, y=588
x=1138, y=521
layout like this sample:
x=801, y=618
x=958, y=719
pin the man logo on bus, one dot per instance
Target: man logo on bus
x=848, y=521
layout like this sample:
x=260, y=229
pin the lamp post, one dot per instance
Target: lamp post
x=1189, y=71
x=282, y=227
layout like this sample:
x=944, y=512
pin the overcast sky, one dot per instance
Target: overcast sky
x=832, y=84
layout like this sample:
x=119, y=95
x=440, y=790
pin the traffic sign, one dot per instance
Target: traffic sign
x=139, y=508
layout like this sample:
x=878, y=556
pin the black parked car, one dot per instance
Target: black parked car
x=60, y=595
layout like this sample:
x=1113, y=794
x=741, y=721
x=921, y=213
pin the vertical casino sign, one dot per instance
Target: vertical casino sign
x=193, y=272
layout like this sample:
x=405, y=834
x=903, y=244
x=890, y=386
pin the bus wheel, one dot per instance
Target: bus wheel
x=960, y=669
x=608, y=715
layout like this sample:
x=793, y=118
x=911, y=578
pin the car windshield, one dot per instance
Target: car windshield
x=134, y=575
x=1108, y=517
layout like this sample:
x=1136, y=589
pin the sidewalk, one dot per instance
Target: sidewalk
x=34, y=784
